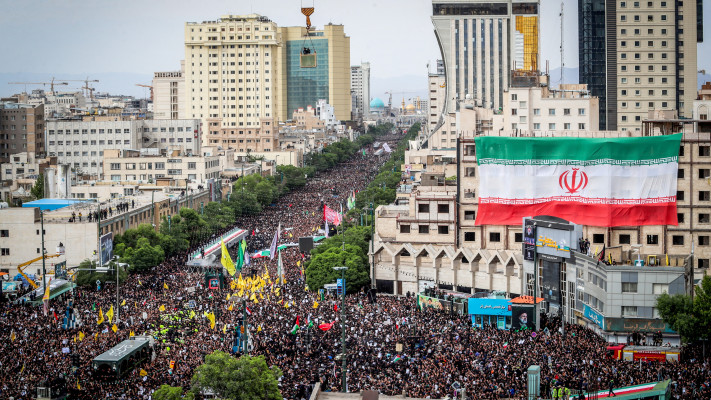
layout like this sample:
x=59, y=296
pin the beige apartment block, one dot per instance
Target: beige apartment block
x=307, y=119
x=261, y=138
x=656, y=43
x=230, y=69
x=132, y=166
x=168, y=94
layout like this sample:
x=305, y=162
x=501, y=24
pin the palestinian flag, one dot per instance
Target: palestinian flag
x=295, y=329
x=397, y=358
x=589, y=181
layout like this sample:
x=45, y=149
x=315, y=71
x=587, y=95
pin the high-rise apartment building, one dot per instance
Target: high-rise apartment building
x=638, y=56
x=360, y=86
x=329, y=79
x=481, y=42
x=168, y=94
x=230, y=72
x=21, y=129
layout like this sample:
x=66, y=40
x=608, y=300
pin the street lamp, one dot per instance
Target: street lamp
x=343, y=325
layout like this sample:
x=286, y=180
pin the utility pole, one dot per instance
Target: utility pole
x=44, y=271
x=245, y=339
x=343, y=326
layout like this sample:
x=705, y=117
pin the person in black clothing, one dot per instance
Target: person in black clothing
x=612, y=386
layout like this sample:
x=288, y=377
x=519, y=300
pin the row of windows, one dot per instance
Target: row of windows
x=650, y=17
x=650, y=4
x=551, y=126
x=87, y=131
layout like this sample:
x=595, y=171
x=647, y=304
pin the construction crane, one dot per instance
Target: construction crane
x=147, y=86
x=26, y=263
x=39, y=83
x=89, y=90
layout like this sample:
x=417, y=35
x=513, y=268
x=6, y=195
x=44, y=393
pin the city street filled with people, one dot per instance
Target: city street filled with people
x=437, y=349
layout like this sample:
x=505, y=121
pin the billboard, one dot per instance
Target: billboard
x=555, y=242
x=637, y=324
x=551, y=283
x=107, y=248
x=594, y=316
x=490, y=307
x=522, y=317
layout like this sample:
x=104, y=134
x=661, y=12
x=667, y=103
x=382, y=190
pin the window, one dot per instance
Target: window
x=703, y=263
x=703, y=240
x=652, y=239
x=551, y=126
x=704, y=218
x=678, y=240
x=566, y=111
x=469, y=236
x=4, y=233
x=704, y=151
x=469, y=215
x=679, y=195
x=680, y=173
x=470, y=172
x=4, y=252
x=680, y=218
x=536, y=111
x=494, y=236
x=659, y=288
x=115, y=166
x=518, y=237
x=404, y=228
x=599, y=238
x=551, y=111
x=629, y=311
x=424, y=228
x=192, y=165
x=581, y=126
x=624, y=239
x=423, y=208
x=704, y=195
x=442, y=208
x=443, y=230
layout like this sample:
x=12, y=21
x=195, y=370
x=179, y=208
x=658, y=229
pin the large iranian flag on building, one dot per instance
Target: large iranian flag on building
x=598, y=182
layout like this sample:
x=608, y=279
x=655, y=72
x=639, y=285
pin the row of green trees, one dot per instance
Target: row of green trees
x=143, y=248
x=350, y=247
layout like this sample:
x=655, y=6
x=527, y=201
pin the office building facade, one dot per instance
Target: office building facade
x=21, y=129
x=330, y=79
x=481, y=42
x=168, y=94
x=638, y=56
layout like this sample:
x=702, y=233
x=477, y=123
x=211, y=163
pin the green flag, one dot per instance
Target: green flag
x=240, y=256
x=295, y=329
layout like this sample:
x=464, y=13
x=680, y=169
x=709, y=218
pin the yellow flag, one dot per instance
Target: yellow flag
x=313, y=229
x=227, y=260
x=298, y=263
x=306, y=288
x=123, y=303
x=12, y=336
x=78, y=385
x=110, y=313
x=101, y=317
x=233, y=285
x=192, y=314
x=161, y=308
x=286, y=305
x=143, y=372
x=261, y=296
x=290, y=235
x=114, y=328
x=81, y=336
x=96, y=336
x=276, y=291
x=315, y=304
x=132, y=334
x=139, y=282
x=253, y=297
x=228, y=296
x=165, y=285
x=211, y=318
x=259, y=328
x=224, y=328
x=46, y=291
x=256, y=301
x=241, y=293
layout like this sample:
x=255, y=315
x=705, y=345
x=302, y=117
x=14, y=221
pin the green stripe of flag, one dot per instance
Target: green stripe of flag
x=578, y=149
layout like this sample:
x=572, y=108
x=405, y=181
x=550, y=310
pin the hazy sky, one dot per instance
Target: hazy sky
x=91, y=36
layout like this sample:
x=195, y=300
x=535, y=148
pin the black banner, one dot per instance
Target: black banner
x=529, y=240
x=551, y=283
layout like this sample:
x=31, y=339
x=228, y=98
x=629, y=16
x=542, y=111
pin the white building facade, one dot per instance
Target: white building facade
x=360, y=86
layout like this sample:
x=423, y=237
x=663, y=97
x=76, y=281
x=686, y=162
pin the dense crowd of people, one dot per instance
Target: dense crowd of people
x=435, y=349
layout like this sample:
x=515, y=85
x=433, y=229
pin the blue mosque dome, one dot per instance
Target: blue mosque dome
x=377, y=103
